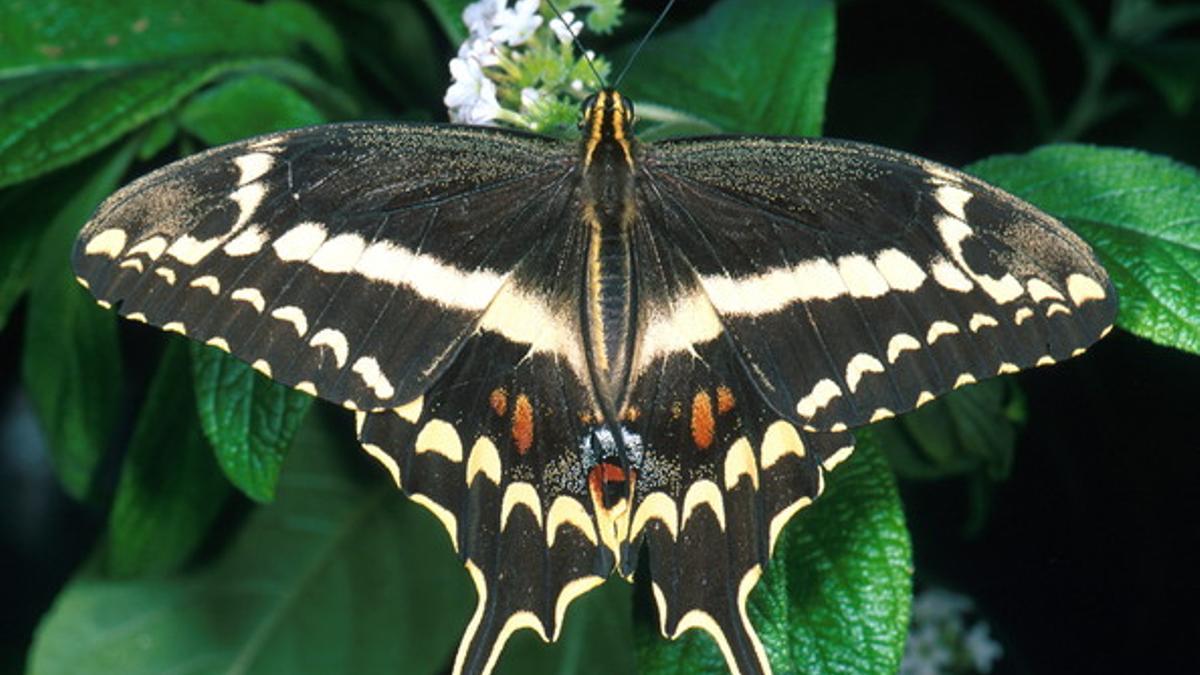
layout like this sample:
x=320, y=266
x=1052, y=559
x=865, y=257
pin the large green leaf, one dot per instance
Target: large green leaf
x=1140, y=212
x=29, y=212
x=249, y=419
x=336, y=576
x=597, y=637
x=758, y=66
x=969, y=433
x=32, y=209
x=70, y=365
x=170, y=489
x=74, y=77
x=966, y=431
x=247, y=106
x=387, y=34
x=836, y=596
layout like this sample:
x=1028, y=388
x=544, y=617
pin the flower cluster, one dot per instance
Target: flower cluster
x=940, y=641
x=518, y=65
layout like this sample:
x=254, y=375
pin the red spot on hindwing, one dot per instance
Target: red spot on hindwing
x=609, y=485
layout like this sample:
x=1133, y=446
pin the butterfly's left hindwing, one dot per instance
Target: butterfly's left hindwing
x=349, y=261
x=858, y=283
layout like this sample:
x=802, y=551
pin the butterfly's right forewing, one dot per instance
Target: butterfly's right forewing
x=349, y=261
x=857, y=282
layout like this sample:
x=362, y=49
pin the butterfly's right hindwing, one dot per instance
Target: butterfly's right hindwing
x=349, y=261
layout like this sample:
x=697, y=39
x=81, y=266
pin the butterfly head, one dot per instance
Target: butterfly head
x=607, y=120
x=606, y=105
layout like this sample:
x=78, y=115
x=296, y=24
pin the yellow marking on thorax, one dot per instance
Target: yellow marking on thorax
x=596, y=132
x=594, y=267
x=618, y=122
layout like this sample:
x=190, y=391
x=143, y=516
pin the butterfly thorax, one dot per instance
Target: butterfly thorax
x=608, y=208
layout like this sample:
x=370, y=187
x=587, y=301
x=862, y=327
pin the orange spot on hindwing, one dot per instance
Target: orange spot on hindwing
x=725, y=399
x=522, y=424
x=703, y=424
x=499, y=401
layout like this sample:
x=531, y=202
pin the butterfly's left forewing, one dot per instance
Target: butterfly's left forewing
x=857, y=282
x=349, y=261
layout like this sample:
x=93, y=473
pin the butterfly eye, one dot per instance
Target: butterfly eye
x=629, y=114
x=586, y=110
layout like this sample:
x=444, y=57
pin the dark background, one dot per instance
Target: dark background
x=1089, y=557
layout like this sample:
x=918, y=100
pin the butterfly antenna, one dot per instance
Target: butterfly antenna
x=576, y=41
x=645, y=38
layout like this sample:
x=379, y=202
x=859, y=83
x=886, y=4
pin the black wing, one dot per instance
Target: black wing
x=858, y=282
x=542, y=503
x=718, y=470
x=349, y=261
x=499, y=450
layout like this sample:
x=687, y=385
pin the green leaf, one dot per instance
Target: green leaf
x=246, y=106
x=70, y=365
x=969, y=433
x=966, y=431
x=836, y=596
x=1173, y=68
x=29, y=211
x=170, y=489
x=1140, y=212
x=158, y=136
x=73, y=79
x=334, y=577
x=722, y=69
x=597, y=637
x=1145, y=20
x=387, y=34
x=249, y=419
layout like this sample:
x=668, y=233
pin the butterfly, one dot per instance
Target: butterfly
x=576, y=353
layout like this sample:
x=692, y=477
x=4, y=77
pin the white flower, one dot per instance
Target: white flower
x=983, y=650
x=471, y=98
x=482, y=50
x=938, y=604
x=939, y=640
x=926, y=652
x=530, y=97
x=567, y=28
x=515, y=26
x=480, y=17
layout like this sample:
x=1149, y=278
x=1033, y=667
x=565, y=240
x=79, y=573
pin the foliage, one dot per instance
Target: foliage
x=335, y=573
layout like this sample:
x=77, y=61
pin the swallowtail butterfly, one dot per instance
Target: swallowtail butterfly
x=566, y=350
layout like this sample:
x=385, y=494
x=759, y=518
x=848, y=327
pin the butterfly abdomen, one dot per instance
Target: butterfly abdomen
x=609, y=305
